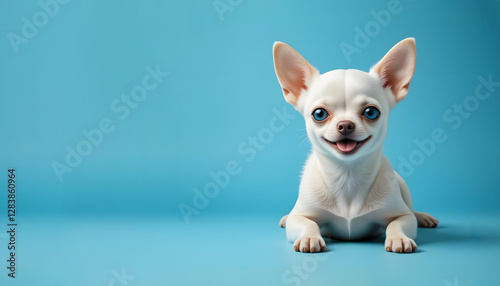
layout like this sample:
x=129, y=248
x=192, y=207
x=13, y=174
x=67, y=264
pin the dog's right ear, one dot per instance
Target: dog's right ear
x=293, y=71
x=396, y=68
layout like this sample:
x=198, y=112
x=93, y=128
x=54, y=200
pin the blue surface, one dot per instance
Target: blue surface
x=210, y=88
x=246, y=251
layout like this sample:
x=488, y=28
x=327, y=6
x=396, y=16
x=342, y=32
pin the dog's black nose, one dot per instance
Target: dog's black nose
x=345, y=127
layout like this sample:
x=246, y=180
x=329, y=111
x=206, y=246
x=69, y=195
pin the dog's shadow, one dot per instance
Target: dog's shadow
x=444, y=233
x=458, y=233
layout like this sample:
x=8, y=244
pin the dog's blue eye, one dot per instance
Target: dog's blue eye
x=371, y=113
x=319, y=114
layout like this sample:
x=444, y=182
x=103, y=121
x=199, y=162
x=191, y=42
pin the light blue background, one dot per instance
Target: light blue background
x=221, y=89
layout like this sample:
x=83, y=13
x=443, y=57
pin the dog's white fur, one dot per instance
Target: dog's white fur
x=353, y=195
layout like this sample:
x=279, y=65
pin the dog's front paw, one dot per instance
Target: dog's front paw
x=400, y=244
x=309, y=244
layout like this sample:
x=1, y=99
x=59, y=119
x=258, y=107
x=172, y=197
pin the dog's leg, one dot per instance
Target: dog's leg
x=399, y=234
x=283, y=221
x=423, y=219
x=305, y=233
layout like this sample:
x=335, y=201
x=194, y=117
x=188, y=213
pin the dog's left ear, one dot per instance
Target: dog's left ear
x=396, y=68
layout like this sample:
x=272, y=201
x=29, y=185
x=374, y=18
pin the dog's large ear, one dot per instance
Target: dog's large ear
x=293, y=71
x=396, y=68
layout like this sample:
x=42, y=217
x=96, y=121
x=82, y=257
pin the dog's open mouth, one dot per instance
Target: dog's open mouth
x=347, y=146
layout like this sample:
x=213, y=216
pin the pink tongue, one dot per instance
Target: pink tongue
x=346, y=145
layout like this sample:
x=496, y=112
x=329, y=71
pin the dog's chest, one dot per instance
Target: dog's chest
x=351, y=200
x=354, y=217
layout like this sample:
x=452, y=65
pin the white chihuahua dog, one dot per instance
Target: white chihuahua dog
x=349, y=190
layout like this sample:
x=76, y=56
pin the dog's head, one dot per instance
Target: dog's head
x=346, y=111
